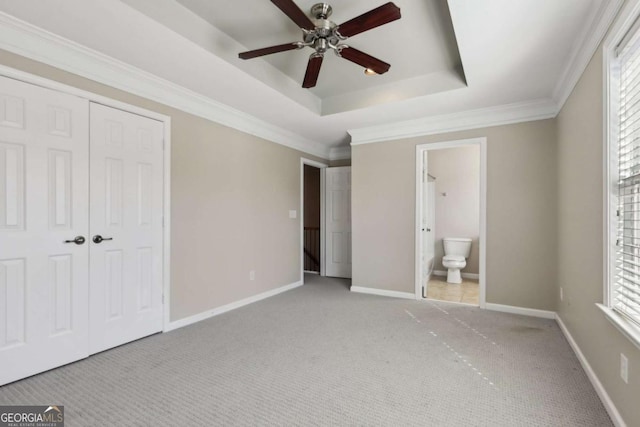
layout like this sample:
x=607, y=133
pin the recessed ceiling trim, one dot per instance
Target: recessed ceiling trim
x=584, y=49
x=33, y=42
x=398, y=91
x=465, y=120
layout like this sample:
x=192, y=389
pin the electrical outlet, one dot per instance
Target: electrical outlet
x=293, y=214
x=561, y=294
x=252, y=275
x=624, y=368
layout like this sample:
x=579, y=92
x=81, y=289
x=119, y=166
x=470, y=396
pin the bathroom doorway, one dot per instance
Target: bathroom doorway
x=451, y=221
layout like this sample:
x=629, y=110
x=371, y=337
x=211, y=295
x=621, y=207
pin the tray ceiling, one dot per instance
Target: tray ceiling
x=514, y=54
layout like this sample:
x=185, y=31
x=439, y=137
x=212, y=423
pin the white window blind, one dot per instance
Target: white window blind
x=625, y=289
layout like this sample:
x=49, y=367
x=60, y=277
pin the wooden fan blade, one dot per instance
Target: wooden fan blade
x=294, y=13
x=267, y=50
x=313, y=71
x=365, y=60
x=372, y=19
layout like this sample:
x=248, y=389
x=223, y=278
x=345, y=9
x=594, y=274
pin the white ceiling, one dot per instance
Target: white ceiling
x=512, y=52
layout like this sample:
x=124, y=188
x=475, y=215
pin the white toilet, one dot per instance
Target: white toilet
x=456, y=252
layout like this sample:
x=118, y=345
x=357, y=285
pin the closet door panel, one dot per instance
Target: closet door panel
x=126, y=211
x=44, y=148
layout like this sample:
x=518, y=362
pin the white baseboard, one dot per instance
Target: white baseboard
x=602, y=393
x=464, y=275
x=521, y=310
x=382, y=292
x=228, y=307
x=311, y=272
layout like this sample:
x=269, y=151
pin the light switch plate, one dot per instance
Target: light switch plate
x=293, y=214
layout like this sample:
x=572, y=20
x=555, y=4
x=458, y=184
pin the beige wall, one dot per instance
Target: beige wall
x=230, y=194
x=580, y=242
x=521, y=213
x=457, y=172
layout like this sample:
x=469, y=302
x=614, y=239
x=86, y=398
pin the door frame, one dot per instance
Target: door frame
x=322, y=167
x=166, y=120
x=420, y=149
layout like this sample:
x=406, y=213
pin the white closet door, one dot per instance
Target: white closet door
x=126, y=211
x=338, y=222
x=43, y=202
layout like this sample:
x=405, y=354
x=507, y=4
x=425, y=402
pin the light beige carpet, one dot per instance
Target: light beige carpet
x=320, y=355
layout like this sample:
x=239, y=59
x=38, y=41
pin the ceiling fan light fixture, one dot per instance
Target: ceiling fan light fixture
x=370, y=72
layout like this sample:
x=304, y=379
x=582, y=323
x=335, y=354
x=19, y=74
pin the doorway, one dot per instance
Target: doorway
x=312, y=213
x=451, y=221
x=312, y=204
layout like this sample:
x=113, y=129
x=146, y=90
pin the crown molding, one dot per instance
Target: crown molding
x=340, y=153
x=35, y=43
x=585, y=47
x=465, y=120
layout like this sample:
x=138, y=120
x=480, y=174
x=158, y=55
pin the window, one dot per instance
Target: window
x=623, y=291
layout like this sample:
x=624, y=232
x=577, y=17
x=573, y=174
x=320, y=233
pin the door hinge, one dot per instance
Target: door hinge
x=162, y=221
x=618, y=212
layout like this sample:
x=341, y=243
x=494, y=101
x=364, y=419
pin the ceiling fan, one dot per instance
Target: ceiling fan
x=322, y=35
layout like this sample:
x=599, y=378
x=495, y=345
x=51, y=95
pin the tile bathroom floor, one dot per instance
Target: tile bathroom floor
x=467, y=292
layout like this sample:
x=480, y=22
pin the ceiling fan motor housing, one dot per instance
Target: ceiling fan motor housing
x=324, y=36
